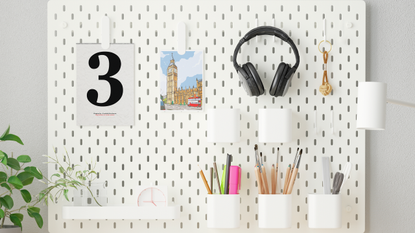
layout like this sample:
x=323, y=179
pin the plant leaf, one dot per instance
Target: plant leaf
x=24, y=159
x=12, y=137
x=26, y=195
x=39, y=219
x=13, y=163
x=41, y=195
x=15, y=220
x=36, y=172
x=1, y=213
x=62, y=170
x=15, y=182
x=65, y=193
x=7, y=202
x=26, y=178
x=4, y=185
x=4, y=159
x=18, y=215
x=5, y=133
x=32, y=210
x=3, y=176
x=56, y=174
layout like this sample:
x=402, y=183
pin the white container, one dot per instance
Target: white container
x=274, y=211
x=275, y=125
x=83, y=197
x=371, y=107
x=324, y=211
x=223, y=211
x=224, y=125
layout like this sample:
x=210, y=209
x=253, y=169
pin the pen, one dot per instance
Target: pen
x=204, y=180
x=217, y=177
x=222, y=184
x=228, y=167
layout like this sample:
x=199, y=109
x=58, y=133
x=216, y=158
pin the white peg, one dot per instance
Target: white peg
x=181, y=38
x=106, y=34
x=315, y=123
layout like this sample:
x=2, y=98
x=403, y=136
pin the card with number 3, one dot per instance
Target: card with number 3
x=105, y=85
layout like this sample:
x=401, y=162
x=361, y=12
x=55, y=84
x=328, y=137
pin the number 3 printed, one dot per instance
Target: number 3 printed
x=116, y=89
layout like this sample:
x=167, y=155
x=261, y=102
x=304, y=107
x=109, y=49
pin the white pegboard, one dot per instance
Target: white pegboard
x=165, y=147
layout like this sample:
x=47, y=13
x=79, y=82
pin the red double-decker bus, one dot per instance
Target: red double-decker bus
x=194, y=102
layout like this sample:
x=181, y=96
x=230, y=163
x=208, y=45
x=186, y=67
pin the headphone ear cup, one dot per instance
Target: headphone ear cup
x=283, y=81
x=273, y=90
x=256, y=78
x=250, y=81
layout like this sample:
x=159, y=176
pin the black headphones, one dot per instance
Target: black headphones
x=248, y=75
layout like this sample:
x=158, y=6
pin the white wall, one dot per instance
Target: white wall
x=390, y=57
x=23, y=89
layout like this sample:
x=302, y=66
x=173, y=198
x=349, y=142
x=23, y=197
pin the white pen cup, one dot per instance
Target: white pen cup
x=223, y=211
x=274, y=211
x=324, y=211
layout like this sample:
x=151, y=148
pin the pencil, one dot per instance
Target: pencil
x=286, y=178
x=277, y=177
x=204, y=180
x=291, y=171
x=217, y=177
x=258, y=179
x=294, y=175
x=273, y=186
x=211, y=179
x=264, y=176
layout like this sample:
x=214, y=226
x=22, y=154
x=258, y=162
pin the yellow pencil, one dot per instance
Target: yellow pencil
x=273, y=184
x=286, y=179
x=204, y=180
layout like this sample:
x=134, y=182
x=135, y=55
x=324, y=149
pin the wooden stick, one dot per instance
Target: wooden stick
x=258, y=179
x=273, y=184
x=261, y=181
x=264, y=175
x=286, y=179
x=293, y=176
x=204, y=180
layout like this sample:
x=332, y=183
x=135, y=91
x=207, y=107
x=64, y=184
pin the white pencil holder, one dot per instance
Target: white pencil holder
x=223, y=211
x=324, y=211
x=274, y=211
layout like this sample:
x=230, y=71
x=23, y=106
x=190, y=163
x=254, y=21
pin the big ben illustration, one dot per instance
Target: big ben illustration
x=171, y=81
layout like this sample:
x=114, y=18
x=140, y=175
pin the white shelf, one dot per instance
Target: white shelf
x=120, y=212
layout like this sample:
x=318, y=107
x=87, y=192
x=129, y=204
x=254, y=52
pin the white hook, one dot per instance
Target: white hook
x=105, y=32
x=324, y=30
x=181, y=38
x=332, y=122
x=315, y=123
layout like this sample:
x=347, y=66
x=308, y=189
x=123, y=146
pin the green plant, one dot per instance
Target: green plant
x=21, y=176
x=67, y=177
x=15, y=177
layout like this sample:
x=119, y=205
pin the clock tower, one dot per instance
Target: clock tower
x=171, y=81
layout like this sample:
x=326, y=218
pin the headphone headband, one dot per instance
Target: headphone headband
x=266, y=30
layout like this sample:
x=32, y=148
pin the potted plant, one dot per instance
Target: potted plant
x=16, y=175
x=14, y=178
